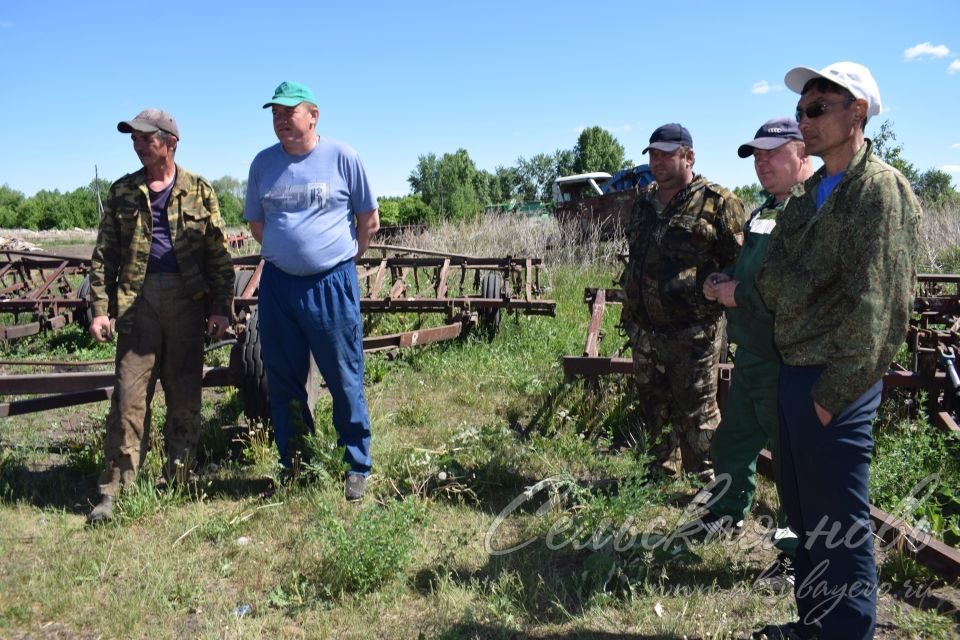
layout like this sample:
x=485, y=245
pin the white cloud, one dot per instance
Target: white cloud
x=951, y=168
x=926, y=50
x=954, y=67
x=955, y=145
x=765, y=87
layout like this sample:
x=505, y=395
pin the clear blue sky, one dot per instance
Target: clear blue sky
x=396, y=80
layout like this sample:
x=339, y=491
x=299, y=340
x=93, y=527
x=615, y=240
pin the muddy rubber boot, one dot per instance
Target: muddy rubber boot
x=103, y=512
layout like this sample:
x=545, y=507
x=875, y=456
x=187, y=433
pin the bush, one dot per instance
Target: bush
x=369, y=552
x=916, y=473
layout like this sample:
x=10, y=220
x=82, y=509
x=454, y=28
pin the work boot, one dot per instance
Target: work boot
x=103, y=512
x=354, y=487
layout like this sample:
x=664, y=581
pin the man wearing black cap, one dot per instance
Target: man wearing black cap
x=750, y=417
x=161, y=257
x=680, y=230
x=839, y=278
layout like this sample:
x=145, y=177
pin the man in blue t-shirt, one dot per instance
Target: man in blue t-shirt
x=839, y=277
x=311, y=208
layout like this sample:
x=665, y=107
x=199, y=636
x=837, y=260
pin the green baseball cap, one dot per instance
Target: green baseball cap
x=290, y=94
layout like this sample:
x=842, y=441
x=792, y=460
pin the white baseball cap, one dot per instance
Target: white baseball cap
x=853, y=77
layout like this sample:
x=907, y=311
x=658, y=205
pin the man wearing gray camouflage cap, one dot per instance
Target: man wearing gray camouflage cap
x=161, y=258
x=839, y=278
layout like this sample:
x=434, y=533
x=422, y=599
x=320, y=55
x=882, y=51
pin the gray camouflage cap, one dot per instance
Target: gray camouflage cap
x=149, y=121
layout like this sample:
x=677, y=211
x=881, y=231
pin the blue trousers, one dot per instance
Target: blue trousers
x=318, y=314
x=826, y=473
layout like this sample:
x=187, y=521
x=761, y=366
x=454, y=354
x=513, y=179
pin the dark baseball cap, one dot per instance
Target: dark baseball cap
x=774, y=133
x=150, y=121
x=669, y=137
x=290, y=94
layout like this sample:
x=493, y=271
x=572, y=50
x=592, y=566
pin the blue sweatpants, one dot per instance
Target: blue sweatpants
x=826, y=474
x=318, y=314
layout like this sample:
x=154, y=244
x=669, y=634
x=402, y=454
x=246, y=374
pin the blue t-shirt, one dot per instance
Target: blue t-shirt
x=826, y=187
x=307, y=205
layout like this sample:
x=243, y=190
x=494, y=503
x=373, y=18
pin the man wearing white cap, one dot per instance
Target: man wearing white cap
x=839, y=277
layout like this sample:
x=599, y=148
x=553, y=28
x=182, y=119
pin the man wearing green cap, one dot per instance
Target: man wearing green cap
x=161, y=258
x=312, y=210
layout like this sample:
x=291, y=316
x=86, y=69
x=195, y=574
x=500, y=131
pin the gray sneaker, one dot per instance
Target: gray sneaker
x=103, y=512
x=354, y=487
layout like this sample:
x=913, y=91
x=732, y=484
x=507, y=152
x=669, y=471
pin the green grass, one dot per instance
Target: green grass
x=460, y=431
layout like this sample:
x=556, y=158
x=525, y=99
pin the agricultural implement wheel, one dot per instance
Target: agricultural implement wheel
x=489, y=318
x=84, y=315
x=251, y=375
x=252, y=378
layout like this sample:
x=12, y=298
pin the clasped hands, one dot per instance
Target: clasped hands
x=719, y=287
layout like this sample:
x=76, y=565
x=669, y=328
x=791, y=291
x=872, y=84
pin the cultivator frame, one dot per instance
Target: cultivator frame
x=38, y=285
x=467, y=291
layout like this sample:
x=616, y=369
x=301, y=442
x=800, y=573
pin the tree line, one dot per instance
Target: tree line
x=449, y=186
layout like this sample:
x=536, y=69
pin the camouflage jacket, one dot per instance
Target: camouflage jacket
x=671, y=253
x=840, y=280
x=123, y=245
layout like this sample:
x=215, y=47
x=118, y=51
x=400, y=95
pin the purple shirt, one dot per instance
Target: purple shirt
x=162, y=258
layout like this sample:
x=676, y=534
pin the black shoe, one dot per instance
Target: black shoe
x=712, y=527
x=103, y=512
x=789, y=631
x=779, y=577
x=354, y=487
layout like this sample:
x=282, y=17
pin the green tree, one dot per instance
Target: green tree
x=231, y=208
x=229, y=184
x=598, y=150
x=535, y=177
x=399, y=210
x=933, y=186
x=10, y=203
x=450, y=185
x=45, y=210
x=425, y=180
x=505, y=186
x=81, y=210
x=563, y=162
x=886, y=148
x=752, y=195
x=935, y=189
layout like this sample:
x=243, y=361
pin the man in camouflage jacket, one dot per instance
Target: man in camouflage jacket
x=839, y=277
x=161, y=257
x=681, y=229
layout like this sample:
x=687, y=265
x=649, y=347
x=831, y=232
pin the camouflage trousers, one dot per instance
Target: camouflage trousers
x=676, y=376
x=165, y=343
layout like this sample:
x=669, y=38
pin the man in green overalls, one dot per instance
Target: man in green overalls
x=750, y=419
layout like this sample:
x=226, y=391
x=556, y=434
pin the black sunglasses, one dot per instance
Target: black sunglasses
x=817, y=109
